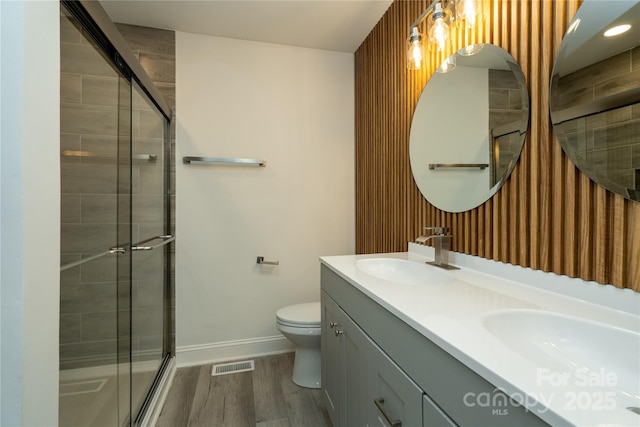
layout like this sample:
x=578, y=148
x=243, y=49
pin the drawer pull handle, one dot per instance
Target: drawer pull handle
x=338, y=333
x=380, y=404
x=332, y=325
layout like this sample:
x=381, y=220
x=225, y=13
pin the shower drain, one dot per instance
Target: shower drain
x=231, y=368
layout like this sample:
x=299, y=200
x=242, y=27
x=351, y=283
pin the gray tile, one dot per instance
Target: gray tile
x=148, y=265
x=619, y=84
x=150, y=293
x=100, y=91
x=609, y=117
x=168, y=92
x=160, y=68
x=101, y=208
x=148, y=208
x=577, y=97
x=503, y=117
x=100, y=149
x=69, y=328
x=596, y=73
x=88, y=119
x=498, y=99
x=620, y=134
x=151, y=125
x=87, y=354
x=89, y=298
x=70, y=208
x=70, y=30
x=635, y=111
x=87, y=178
x=150, y=346
x=635, y=156
x=502, y=79
x=147, y=230
x=87, y=238
x=69, y=142
x=70, y=88
x=515, y=99
x=148, y=320
x=70, y=276
x=103, y=270
x=99, y=326
x=84, y=59
x=150, y=40
x=609, y=159
x=635, y=59
x=150, y=181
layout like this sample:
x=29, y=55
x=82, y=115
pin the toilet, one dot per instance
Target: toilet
x=300, y=324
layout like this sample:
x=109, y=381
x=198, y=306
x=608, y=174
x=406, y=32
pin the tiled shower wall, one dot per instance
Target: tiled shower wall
x=604, y=145
x=505, y=108
x=89, y=122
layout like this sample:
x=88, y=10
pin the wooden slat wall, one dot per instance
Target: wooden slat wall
x=547, y=216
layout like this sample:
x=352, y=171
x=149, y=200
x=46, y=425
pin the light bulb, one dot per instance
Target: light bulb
x=467, y=10
x=414, y=50
x=438, y=30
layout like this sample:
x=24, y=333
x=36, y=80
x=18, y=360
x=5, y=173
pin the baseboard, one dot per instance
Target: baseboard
x=202, y=354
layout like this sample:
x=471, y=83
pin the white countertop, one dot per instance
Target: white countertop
x=451, y=315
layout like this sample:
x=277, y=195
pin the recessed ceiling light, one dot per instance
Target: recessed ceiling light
x=617, y=30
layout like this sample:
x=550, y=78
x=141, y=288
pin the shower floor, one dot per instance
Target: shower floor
x=89, y=396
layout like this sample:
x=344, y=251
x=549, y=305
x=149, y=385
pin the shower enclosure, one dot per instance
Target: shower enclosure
x=116, y=237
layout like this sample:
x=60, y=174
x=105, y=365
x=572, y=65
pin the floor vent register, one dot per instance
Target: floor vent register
x=232, y=368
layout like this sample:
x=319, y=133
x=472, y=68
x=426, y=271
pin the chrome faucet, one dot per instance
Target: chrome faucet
x=442, y=240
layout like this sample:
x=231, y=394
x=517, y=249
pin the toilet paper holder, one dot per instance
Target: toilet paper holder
x=261, y=260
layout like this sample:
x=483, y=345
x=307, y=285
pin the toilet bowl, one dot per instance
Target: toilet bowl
x=300, y=324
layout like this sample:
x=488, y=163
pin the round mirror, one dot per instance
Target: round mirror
x=594, y=97
x=468, y=129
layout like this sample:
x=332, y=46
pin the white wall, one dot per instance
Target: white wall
x=293, y=107
x=29, y=212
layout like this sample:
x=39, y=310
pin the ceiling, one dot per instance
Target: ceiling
x=585, y=45
x=336, y=25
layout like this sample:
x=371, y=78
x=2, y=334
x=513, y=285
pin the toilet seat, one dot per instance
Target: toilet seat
x=305, y=315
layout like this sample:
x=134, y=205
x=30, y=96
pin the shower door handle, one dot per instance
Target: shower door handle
x=165, y=240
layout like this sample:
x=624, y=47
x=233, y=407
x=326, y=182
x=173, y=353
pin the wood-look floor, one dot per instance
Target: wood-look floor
x=265, y=397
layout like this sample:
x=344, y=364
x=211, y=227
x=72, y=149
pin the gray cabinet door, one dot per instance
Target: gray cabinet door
x=333, y=372
x=357, y=350
x=344, y=362
x=393, y=399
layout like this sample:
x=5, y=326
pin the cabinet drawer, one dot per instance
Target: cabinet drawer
x=393, y=399
x=433, y=416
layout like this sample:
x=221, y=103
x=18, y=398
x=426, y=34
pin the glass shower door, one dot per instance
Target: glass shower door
x=149, y=254
x=114, y=306
x=95, y=125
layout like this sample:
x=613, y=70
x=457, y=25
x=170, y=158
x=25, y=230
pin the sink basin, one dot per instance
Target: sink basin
x=403, y=271
x=584, y=352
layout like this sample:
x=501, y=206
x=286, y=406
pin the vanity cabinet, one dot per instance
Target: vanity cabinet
x=346, y=350
x=375, y=364
x=361, y=385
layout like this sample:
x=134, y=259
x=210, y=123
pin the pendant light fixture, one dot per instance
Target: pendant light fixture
x=442, y=15
x=415, y=50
